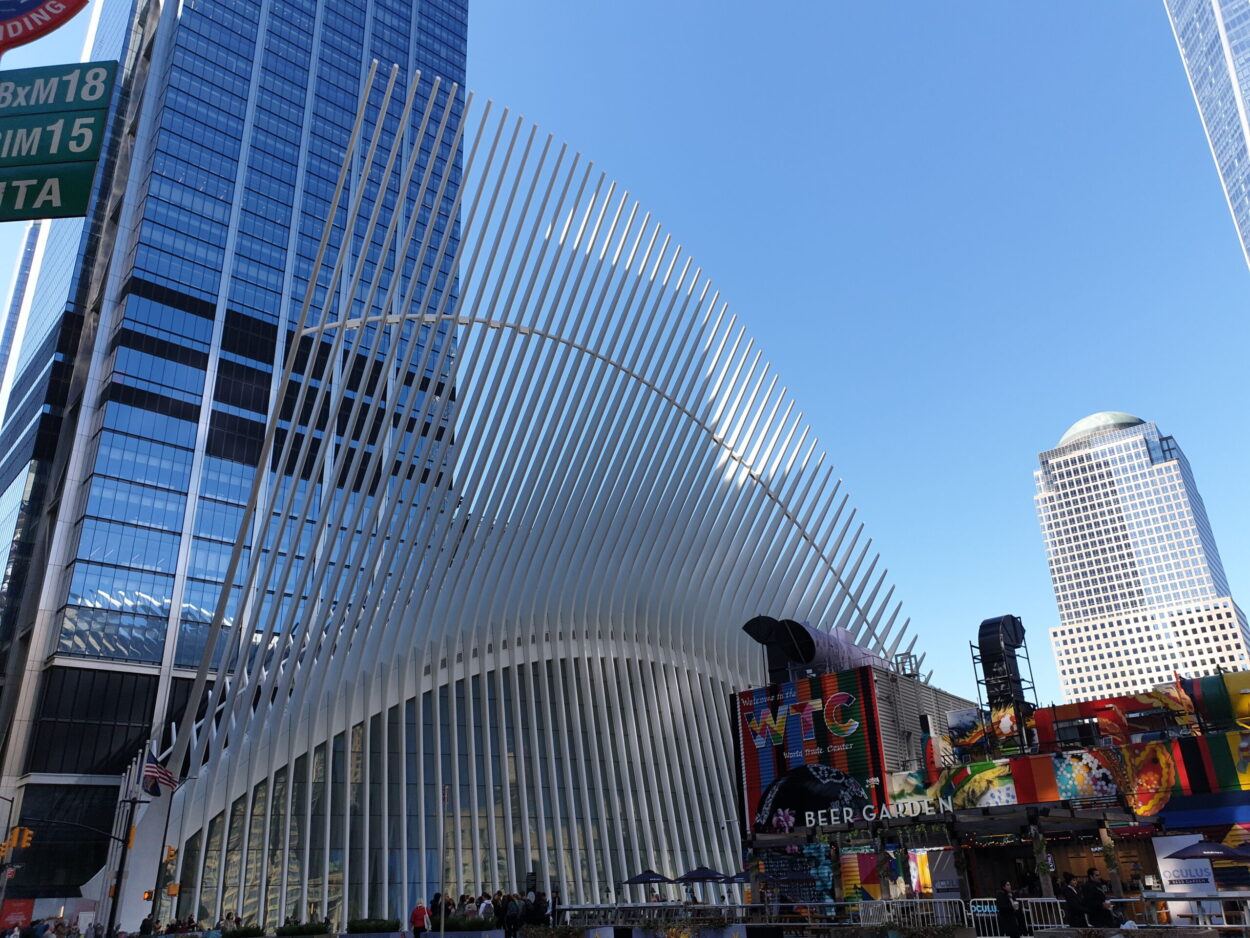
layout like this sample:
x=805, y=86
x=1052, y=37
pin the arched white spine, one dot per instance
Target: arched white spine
x=545, y=479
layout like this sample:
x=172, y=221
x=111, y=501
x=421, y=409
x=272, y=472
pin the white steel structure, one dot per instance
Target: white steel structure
x=1141, y=590
x=522, y=634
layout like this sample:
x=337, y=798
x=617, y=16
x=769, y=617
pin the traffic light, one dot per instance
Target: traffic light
x=171, y=854
x=172, y=889
x=147, y=895
x=4, y=850
x=28, y=837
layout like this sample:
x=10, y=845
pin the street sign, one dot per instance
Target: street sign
x=52, y=125
x=58, y=190
x=23, y=21
x=76, y=86
x=31, y=139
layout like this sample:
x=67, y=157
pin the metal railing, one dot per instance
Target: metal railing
x=915, y=913
x=1224, y=913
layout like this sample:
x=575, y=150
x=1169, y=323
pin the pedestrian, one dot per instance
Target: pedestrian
x=512, y=916
x=1010, y=912
x=485, y=908
x=556, y=912
x=1094, y=901
x=419, y=920
x=1073, y=913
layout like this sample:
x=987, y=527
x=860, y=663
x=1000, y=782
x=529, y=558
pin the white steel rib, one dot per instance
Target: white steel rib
x=490, y=590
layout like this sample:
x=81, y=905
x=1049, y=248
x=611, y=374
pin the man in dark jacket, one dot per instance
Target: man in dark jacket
x=1094, y=902
x=1010, y=912
x=1073, y=911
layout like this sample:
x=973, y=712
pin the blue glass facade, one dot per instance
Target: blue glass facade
x=156, y=330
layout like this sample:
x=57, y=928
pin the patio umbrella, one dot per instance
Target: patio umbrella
x=701, y=874
x=743, y=877
x=1209, y=850
x=647, y=878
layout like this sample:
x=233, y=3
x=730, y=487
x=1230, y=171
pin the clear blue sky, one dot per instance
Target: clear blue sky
x=955, y=228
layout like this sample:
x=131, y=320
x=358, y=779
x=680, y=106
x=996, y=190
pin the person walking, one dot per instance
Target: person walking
x=1094, y=901
x=1073, y=911
x=1010, y=912
x=512, y=916
x=419, y=920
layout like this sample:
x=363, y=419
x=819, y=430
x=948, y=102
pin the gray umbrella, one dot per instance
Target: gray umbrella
x=701, y=874
x=647, y=878
x=1209, y=850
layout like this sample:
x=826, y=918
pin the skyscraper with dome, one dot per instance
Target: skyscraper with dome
x=1139, y=584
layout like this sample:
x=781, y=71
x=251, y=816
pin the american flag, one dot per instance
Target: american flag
x=155, y=775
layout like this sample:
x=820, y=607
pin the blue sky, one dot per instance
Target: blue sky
x=954, y=228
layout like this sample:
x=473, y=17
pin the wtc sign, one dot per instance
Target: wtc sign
x=52, y=125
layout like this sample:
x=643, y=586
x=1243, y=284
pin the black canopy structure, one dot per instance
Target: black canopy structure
x=647, y=878
x=1209, y=850
x=701, y=874
x=743, y=877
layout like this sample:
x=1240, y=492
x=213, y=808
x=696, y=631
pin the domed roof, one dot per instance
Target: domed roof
x=1101, y=422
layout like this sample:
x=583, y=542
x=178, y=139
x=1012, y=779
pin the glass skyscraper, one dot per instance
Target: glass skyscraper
x=150, y=337
x=1214, y=41
x=1141, y=590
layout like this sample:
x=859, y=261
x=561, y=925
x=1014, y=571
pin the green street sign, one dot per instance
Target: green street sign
x=60, y=137
x=52, y=124
x=75, y=87
x=59, y=190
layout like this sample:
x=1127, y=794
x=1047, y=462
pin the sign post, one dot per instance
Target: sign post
x=52, y=124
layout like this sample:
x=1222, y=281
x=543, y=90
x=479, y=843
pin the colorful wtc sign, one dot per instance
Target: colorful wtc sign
x=23, y=21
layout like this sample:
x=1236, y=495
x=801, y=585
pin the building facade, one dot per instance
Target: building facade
x=153, y=336
x=537, y=694
x=1213, y=37
x=1138, y=580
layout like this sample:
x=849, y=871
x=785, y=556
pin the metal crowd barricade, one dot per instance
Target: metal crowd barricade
x=1227, y=914
x=983, y=916
x=1043, y=913
x=914, y=913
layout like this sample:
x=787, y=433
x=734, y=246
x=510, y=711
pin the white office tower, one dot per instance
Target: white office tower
x=1138, y=580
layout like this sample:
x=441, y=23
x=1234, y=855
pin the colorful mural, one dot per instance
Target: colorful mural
x=1146, y=776
x=1120, y=720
